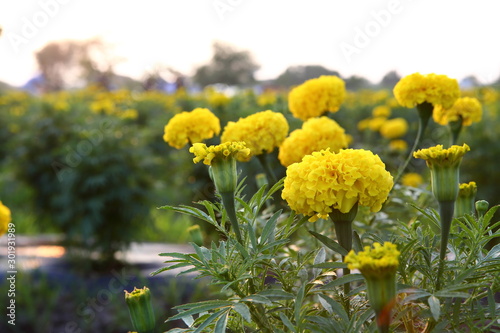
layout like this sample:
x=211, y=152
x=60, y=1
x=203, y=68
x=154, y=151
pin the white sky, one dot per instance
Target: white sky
x=456, y=38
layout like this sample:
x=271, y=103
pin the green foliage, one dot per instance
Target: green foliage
x=277, y=282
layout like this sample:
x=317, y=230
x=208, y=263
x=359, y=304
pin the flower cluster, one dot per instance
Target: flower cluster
x=468, y=110
x=5, y=218
x=437, y=156
x=261, y=132
x=412, y=179
x=467, y=189
x=325, y=181
x=316, y=134
x=193, y=127
x=222, y=151
x=316, y=96
x=377, y=262
x=435, y=89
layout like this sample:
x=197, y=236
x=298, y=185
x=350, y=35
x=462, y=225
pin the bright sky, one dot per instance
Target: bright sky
x=367, y=38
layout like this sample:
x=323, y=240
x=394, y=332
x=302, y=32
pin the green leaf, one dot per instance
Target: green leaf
x=220, y=327
x=356, y=242
x=243, y=311
x=457, y=294
x=287, y=322
x=319, y=259
x=331, y=265
x=434, y=306
x=257, y=298
x=276, y=294
x=333, y=307
x=329, y=243
x=343, y=280
x=269, y=228
x=209, y=320
x=195, y=308
x=298, y=304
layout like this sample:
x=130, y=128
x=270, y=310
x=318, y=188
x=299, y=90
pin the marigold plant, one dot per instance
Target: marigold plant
x=468, y=110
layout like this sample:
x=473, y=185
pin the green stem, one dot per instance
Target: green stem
x=424, y=112
x=446, y=209
x=228, y=202
x=271, y=178
x=455, y=128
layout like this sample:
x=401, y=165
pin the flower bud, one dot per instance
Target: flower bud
x=482, y=207
x=140, y=309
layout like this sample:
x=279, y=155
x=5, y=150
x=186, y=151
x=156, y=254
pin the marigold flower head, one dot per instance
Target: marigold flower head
x=381, y=111
x=195, y=126
x=262, y=131
x=398, y=145
x=394, y=128
x=467, y=189
x=466, y=109
x=439, y=157
x=376, y=123
x=5, y=218
x=316, y=134
x=316, y=96
x=377, y=262
x=223, y=151
x=435, y=89
x=412, y=179
x=324, y=181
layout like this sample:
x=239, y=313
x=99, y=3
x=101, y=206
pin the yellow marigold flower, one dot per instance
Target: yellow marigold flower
x=412, y=179
x=468, y=110
x=377, y=262
x=465, y=200
x=435, y=89
x=316, y=134
x=262, y=131
x=129, y=114
x=438, y=157
x=398, y=145
x=194, y=127
x=467, y=189
x=223, y=151
x=268, y=97
x=324, y=181
x=316, y=96
x=381, y=111
x=376, y=123
x=364, y=124
x=394, y=128
x=5, y=218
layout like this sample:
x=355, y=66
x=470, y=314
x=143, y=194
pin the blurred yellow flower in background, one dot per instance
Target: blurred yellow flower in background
x=412, y=179
x=325, y=181
x=191, y=127
x=268, y=97
x=394, y=128
x=316, y=134
x=262, y=132
x=435, y=89
x=376, y=123
x=468, y=110
x=314, y=97
x=398, y=145
x=5, y=218
x=381, y=111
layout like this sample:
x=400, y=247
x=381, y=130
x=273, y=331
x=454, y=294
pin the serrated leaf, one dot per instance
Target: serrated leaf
x=329, y=243
x=434, y=306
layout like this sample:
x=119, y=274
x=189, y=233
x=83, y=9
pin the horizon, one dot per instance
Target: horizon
x=367, y=40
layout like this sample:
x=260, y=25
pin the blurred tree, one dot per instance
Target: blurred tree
x=296, y=75
x=390, y=79
x=355, y=82
x=70, y=62
x=228, y=65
